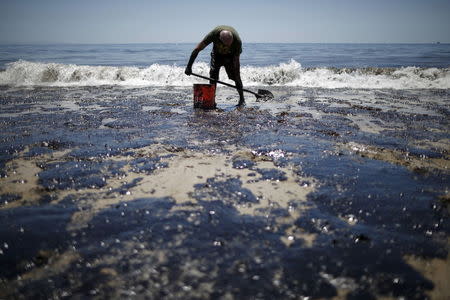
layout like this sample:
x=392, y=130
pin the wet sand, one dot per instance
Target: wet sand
x=110, y=192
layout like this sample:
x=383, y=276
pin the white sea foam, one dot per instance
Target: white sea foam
x=25, y=73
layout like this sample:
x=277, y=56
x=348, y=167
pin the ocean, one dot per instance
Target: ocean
x=113, y=186
x=395, y=66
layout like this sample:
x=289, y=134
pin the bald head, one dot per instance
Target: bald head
x=226, y=37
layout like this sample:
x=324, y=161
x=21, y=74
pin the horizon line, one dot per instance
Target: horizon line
x=176, y=43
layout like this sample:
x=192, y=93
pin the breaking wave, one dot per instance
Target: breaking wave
x=26, y=73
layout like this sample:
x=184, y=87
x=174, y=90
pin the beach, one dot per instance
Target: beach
x=116, y=187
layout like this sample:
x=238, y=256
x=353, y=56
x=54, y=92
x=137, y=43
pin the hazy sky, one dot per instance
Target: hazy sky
x=139, y=21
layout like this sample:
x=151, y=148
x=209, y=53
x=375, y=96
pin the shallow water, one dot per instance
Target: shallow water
x=130, y=192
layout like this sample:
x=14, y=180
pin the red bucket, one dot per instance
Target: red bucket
x=204, y=95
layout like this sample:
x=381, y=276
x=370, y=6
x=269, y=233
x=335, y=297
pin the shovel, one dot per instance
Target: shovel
x=262, y=94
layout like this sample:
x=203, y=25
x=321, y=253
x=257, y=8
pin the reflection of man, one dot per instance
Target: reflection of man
x=226, y=51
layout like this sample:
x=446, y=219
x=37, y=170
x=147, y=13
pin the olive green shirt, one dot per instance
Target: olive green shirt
x=214, y=37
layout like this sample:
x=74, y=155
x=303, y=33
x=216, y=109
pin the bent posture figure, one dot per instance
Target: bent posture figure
x=226, y=51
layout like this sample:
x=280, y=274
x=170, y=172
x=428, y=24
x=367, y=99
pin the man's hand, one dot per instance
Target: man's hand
x=188, y=70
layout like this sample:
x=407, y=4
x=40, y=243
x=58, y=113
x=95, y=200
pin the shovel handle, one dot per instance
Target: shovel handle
x=224, y=83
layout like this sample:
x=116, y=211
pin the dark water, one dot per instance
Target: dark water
x=83, y=150
x=309, y=55
x=367, y=213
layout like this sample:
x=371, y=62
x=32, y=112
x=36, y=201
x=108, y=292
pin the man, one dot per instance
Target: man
x=226, y=51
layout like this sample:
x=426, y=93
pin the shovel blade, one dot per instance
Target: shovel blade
x=264, y=95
